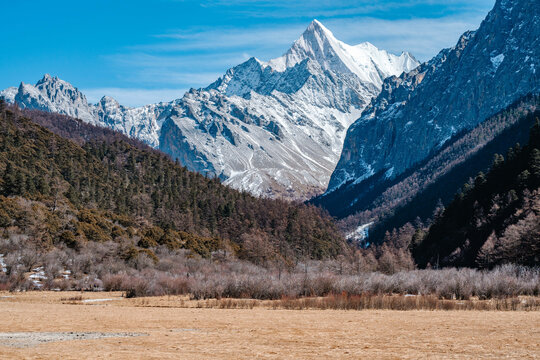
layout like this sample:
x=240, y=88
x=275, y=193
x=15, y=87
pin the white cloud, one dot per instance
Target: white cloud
x=195, y=57
x=424, y=38
x=134, y=97
x=226, y=38
x=286, y=9
x=169, y=60
x=170, y=70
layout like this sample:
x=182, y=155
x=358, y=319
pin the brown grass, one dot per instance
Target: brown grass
x=402, y=303
x=374, y=302
x=72, y=299
x=261, y=332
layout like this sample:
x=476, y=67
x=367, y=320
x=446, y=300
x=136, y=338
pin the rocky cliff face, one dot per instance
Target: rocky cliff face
x=143, y=123
x=274, y=129
x=277, y=128
x=55, y=95
x=417, y=112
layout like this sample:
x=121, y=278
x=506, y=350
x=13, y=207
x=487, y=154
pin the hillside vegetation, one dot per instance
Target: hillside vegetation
x=494, y=220
x=87, y=208
x=414, y=196
x=101, y=186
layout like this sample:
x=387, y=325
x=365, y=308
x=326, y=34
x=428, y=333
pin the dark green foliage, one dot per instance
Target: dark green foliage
x=68, y=238
x=416, y=193
x=496, y=220
x=111, y=184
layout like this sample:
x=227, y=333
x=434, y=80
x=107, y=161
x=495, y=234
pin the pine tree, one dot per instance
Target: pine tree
x=534, y=137
x=9, y=180
x=534, y=163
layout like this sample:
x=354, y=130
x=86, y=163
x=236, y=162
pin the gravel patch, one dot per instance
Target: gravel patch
x=98, y=300
x=185, y=330
x=31, y=339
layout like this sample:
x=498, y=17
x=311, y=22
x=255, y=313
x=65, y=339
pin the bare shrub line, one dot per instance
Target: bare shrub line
x=96, y=268
x=376, y=302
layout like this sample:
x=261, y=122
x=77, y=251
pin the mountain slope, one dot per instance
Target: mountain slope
x=103, y=186
x=426, y=204
x=275, y=129
x=416, y=113
x=494, y=221
x=58, y=96
x=391, y=203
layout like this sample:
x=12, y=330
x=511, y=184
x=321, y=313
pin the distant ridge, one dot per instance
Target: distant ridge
x=274, y=129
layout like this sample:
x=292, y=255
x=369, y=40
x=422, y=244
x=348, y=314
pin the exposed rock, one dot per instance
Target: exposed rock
x=274, y=129
x=417, y=112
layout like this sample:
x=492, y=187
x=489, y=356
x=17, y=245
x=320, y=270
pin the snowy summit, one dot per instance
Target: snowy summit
x=272, y=128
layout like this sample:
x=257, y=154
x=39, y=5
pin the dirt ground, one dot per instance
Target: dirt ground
x=162, y=331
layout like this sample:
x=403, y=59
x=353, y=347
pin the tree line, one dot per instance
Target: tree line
x=94, y=184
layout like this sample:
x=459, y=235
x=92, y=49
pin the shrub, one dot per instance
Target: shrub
x=93, y=232
x=5, y=219
x=147, y=242
x=67, y=237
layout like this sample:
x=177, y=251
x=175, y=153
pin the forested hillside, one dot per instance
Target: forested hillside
x=492, y=221
x=101, y=186
x=418, y=193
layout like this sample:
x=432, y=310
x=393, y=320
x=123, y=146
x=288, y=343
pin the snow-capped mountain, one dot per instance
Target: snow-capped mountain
x=418, y=112
x=55, y=95
x=368, y=63
x=272, y=128
x=277, y=128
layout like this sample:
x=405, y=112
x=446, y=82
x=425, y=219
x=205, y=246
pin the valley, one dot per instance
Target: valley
x=339, y=201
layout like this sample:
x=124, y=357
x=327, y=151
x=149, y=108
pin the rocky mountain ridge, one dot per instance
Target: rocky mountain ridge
x=417, y=112
x=272, y=128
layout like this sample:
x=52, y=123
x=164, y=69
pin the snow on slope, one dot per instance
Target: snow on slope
x=418, y=112
x=368, y=63
x=273, y=129
x=9, y=94
x=56, y=95
x=277, y=128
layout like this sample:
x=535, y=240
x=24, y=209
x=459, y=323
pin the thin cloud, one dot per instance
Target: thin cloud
x=134, y=97
x=195, y=57
x=193, y=70
x=328, y=8
x=163, y=76
x=157, y=59
x=424, y=38
x=223, y=38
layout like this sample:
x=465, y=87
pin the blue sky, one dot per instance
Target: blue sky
x=145, y=51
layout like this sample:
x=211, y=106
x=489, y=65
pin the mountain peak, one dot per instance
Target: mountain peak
x=365, y=60
x=315, y=36
x=317, y=26
x=47, y=78
x=315, y=23
x=109, y=100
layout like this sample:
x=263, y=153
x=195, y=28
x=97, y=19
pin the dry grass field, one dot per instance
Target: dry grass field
x=175, y=328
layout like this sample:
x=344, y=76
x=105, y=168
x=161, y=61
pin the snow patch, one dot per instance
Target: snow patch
x=3, y=266
x=360, y=233
x=496, y=61
x=38, y=276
